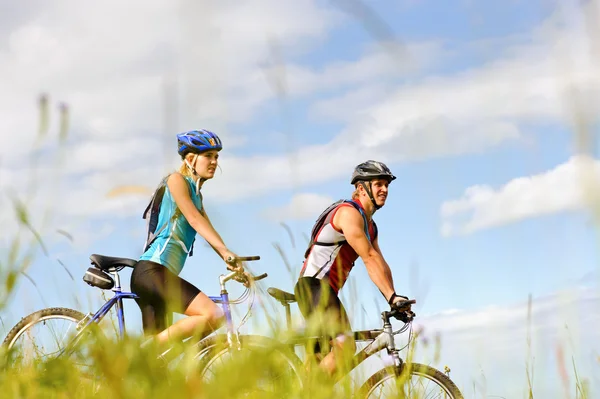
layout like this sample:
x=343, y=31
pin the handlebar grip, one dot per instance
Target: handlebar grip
x=256, y=278
x=403, y=304
x=243, y=258
x=247, y=258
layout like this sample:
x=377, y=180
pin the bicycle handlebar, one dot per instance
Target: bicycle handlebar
x=239, y=274
x=400, y=310
x=245, y=278
x=403, y=305
x=231, y=259
x=260, y=277
x=241, y=277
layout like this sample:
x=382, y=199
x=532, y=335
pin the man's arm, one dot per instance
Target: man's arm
x=387, y=269
x=350, y=221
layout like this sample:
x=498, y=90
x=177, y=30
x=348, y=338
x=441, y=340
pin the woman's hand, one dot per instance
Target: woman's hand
x=231, y=260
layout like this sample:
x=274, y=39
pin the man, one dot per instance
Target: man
x=344, y=232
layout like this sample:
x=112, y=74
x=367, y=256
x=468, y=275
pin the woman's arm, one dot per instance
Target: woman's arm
x=203, y=213
x=180, y=192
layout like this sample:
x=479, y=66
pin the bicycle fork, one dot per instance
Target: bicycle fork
x=233, y=339
x=390, y=345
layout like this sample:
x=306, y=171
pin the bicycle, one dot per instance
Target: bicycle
x=104, y=274
x=211, y=348
x=379, y=339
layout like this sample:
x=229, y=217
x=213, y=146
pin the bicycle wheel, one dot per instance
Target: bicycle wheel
x=264, y=366
x=415, y=381
x=42, y=335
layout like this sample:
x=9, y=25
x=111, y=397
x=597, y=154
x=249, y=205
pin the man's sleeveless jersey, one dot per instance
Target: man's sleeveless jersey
x=335, y=261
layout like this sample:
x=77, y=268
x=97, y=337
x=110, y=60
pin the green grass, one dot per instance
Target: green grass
x=121, y=368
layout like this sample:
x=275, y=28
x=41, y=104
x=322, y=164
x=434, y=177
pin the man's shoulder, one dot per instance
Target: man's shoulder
x=348, y=211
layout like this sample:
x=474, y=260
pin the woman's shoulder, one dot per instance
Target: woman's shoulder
x=180, y=179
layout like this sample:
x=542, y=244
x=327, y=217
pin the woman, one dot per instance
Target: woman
x=155, y=278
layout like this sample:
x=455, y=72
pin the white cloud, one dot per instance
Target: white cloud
x=130, y=85
x=117, y=76
x=487, y=347
x=572, y=185
x=535, y=81
x=319, y=163
x=301, y=206
x=162, y=71
x=378, y=62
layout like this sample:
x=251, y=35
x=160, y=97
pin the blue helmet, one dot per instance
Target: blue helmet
x=197, y=141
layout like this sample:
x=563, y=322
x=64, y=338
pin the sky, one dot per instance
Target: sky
x=485, y=111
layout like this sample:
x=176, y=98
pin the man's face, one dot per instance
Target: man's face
x=379, y=189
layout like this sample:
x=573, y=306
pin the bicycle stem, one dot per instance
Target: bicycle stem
x=225, y=278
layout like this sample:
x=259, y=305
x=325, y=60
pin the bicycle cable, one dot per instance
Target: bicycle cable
x=241, y=298
x=249, y=311
x=401, y=330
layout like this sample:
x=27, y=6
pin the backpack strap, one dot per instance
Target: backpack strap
x=375, y=231
x=321, y=222
x=202, y=211
x=152, y=212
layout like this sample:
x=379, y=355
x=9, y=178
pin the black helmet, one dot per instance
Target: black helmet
x=371, y=170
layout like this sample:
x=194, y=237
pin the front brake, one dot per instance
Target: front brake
x=406, y=317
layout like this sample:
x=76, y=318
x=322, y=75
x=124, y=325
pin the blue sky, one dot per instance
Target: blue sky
x=478, y=108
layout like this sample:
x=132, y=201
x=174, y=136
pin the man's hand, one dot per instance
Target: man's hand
x=400, y=298
x=406, y=314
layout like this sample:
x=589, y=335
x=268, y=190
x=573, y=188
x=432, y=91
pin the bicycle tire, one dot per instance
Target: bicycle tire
x=30, y=320
x=213, y=347
x=416, y=369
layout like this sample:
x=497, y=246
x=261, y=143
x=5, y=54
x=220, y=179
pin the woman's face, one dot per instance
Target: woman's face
x=206, y=164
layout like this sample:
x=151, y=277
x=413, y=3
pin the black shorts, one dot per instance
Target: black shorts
x=160, y=294
x=322, y=309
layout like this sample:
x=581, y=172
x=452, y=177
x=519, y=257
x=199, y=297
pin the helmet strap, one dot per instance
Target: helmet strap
x=199, y=180
x=191, y=168
x=370, y=194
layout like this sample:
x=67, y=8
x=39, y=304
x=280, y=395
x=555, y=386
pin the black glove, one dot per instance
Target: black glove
x=394, y=296
x=406, y=316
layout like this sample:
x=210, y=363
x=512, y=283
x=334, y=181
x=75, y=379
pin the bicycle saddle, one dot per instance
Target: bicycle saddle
x=106, y=262
x=281, y=296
